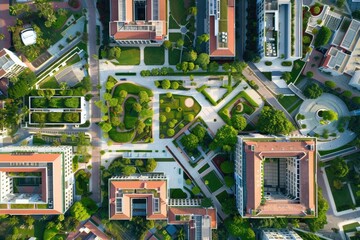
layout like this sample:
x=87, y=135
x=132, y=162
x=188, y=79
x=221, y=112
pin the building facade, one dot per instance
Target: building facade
x=36, y=180
x=279, y=234
x=10, y=64
x=134, y=22
x=275, y=177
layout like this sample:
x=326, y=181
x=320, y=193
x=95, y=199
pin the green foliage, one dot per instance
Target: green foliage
x=206, y=203
x=199, y=131
x=274, y=121
x=190, y=141
x=196, y=190
x=313, y=91
x=315, y=224
x=339, y=167
x=330, y=84
x=309, y=74
x=329, y=115
x=225, y=136
x=238, y=122
x=128, y=170
x=229, y=181
x=79, y=211
x=323, y=37
x=239, y=227
x=203, y=60
x=227, y=167
x=151, y=165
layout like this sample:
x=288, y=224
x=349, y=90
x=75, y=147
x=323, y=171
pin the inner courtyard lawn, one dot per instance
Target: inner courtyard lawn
x=154, y=55
x=178, y=11
x=129, y=56
x=174, y=56
x=214, y=182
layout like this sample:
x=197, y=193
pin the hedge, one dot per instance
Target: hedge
x=286, y=63
x=121, y=137
x=125, y=74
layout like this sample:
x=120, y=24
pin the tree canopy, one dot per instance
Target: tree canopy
x=226, y=137
x=330, y=115
x=274, y=121
x=79, y=211
x=239, y=227
x=323, y=37
x=339, y=167
x=238, y=122
x=199, y=131
x=190, y=141
x=313, y=91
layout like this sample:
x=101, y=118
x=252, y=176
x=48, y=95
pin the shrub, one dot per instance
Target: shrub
x=330, y=84
x=286, y=63
x=347, y=93
x=309, y=74
x=227, y=167
x=188, y=181
x=316, y=10
x=195, y=190
x=323, y=37
x=306, y=40
x=303, y=125
x=268, y=63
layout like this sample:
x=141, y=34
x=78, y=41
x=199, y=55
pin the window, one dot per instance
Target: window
x=156, y=205
x=119, y=205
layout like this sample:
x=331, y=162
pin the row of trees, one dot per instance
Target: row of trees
x=55, y=117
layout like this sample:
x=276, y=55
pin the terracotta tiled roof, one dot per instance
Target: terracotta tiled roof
x=124, y=35
x=56, y=160
x=173, y=211
x=2, y=52
x=257, y=150
x=159, y=185
x=230, y=50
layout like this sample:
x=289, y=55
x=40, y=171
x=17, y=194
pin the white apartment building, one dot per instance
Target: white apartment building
x=10, y=64
x=279, y=234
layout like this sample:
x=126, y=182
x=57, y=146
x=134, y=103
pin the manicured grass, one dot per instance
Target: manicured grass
x=131, y=89
x=177, y=193
x=173, y=37
x=121, y=137
x=131, y=116
x=129, y=56
x=214, y=181
x=60, y=20
x=296, y=72
x=172, y=23
x=223, y=111
x=174, y=56
x=288, y=101
x=203, y=168
x=50, y=82
x=178, y=11
x=295, y=106
x=222, y=197
x=154, y=55
x=342, y=197
x=223, y=16
x=351, y=227
x=74, y=59
x=178, y=110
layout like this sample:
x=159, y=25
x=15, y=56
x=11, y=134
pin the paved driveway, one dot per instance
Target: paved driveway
x=5, y=21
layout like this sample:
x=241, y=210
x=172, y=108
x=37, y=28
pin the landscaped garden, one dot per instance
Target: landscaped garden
x=176, y=111
x=82, y=179
x=154, y=55
x=55, y=117
x=212, y=181
x=240, y=104
x=171, y=84
x=55, y=102
x=128, y=56
x=128, y=112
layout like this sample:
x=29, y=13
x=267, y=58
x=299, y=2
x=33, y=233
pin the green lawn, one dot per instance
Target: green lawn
x=178, y=11
x=174, y=56
x=214, y=181
x=178, y=110
x=121, y=137
x=131, y=89
x=288, y=101
x=50, y=82
x=74, y=59
x=177, y=193
x=173, y=37
x=131, y=116
x=221, y=197
x=342, y=197
x=296, y=72
x=223, y=16
x=172, y=23
x=129, y=56
x=60, y=20
x=154, y=55
x=203, y=168
x=351, y=227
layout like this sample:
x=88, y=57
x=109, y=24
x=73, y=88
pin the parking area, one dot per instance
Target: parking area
x=41, y=59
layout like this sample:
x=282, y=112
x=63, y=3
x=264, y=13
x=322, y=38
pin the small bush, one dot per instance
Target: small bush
x=330, y=84
x=316, y=10
x=303, y=125
x=286, y=63
x=268, y=63
x=347, y=94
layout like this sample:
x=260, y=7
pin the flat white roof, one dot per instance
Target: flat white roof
x=28, y=36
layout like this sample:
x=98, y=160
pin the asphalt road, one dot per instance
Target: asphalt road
x=94, y=130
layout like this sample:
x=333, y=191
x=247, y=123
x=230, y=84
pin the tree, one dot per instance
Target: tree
x=105, y=127
x=337, y=183
x=113, y=102
x=315, y=224
x=167, y=44
x=238, y=122
x=190, y=142
x=225, y=136
x=330, y=115
x=286, y=76
x=195, y=190
x=192, y=11
x=143, y=97
x=203, y=60
x=139, y=127
x=239, y=227
x=313, y=91
x=199, y=131
x=165, y=84
x=128, y=170
x=203, y=38
x=340, y=3
x=213, y=66
x=72, y=102
x=150, y=165
x=180, y=43
x=190, y=56
x=189, y=117
x=174, y=85
x=310, y=74
x=123, y=93
x=274, y=121
x=162, y=118
x=227, y=167
x=137, y=107
x=79, y=212
x=170, y=132
x=323, y=37
x=339, y=167
x=2, y=36
x=330, y=84
x=229, y=181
